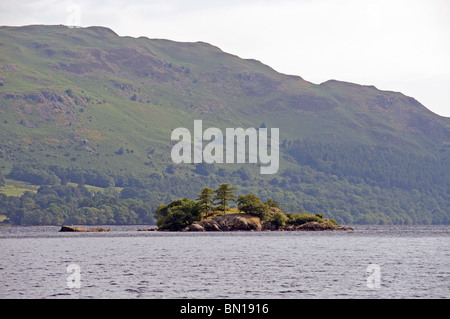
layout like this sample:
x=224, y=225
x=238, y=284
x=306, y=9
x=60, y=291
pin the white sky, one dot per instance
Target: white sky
x=397, y=45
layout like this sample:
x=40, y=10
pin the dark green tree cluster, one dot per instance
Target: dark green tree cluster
x=34, y=175
x=178, y=214
x=377, y=165
x=54, y=175
x=252, y=204
x=58, y=205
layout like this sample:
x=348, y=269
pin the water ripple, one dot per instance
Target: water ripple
x=413, y=263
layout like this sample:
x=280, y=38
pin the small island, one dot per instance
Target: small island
x=210, y=212
x=82, y=229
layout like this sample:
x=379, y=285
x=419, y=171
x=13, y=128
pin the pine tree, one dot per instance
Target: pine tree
x=224, y=195
x=2, y=178
x=81, y=184
x=206, y=201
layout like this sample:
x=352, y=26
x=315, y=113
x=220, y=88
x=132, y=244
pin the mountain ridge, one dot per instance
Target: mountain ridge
x=85, y=101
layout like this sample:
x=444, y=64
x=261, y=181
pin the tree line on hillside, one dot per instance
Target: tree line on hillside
x=377, y=165
x=74, y=205
x=351, y=184
x=54, y=175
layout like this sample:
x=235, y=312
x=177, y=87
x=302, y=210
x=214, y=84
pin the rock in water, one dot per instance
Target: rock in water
x=194, y=227
x=315, y=226
x=82, y=229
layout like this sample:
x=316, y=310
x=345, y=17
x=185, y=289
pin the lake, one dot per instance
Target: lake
x=370, y=262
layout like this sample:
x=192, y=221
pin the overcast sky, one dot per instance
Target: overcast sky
x=396, y=45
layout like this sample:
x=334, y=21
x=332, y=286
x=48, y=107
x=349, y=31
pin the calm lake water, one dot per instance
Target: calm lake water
x=371, y=262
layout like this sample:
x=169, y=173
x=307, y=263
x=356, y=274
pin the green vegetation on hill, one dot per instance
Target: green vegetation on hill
x=85, y=106
x=74, y=205
x=17, y=188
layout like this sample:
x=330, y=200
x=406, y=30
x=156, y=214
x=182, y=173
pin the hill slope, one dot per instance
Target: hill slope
x=85, y=102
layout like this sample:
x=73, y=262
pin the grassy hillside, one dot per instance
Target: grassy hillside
x=85, y=103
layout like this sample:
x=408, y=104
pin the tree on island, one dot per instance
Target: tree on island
x=272, y=203
x=178, y=214
x=224, y=195
x=251, y=204
x=205, y=200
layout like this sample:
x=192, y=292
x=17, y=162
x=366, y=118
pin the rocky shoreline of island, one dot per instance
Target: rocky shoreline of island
x=236, y=223
x=246, y=222
x=232, y=223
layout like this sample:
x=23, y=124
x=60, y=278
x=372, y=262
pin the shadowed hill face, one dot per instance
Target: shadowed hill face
x=85, y=99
